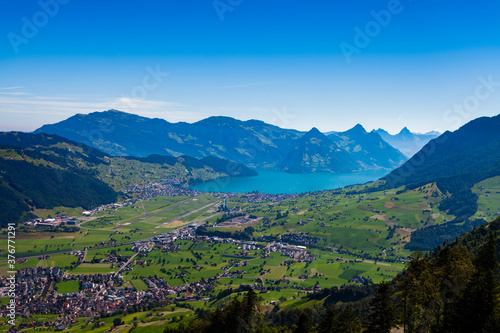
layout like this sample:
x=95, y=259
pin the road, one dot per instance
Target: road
x=84, y=254
x=126, y=264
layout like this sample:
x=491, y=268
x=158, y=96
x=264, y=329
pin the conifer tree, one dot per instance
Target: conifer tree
x=383, y=315
x=304, y=324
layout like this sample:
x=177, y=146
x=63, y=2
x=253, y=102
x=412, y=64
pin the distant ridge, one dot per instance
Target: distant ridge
x=407, y=142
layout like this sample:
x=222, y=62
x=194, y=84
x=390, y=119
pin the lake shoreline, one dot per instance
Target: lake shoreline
x=278, y=182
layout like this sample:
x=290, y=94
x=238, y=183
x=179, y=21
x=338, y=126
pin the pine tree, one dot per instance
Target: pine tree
x=383, y=316
x=348, y=322
x=330, y=322
x=304, y=324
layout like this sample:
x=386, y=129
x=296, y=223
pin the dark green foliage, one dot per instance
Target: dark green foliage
x=229, y=168
x=346, y=294
x=13, y=205
x=453, y=290
x=118, y=322
x=330, y=322
x=303, y=324
x=348, y=322
x=50, y=187
x=476, y=238
x=45, y=187
x=477, y=310
x=383, y=316
x=336, y=322
x=238, y=316
x=473, y=151
x=17, y=140
x=427, y=238
x=62, y=182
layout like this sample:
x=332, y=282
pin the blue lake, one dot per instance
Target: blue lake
x=269, y=181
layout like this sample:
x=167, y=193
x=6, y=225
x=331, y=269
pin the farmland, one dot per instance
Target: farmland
x=347, y=236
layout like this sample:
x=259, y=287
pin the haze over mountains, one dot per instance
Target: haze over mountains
x=252, y=143
x=407, y=142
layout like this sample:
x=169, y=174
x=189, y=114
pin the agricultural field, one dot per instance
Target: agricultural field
x=354, y=238
x=376, y=223
x=101, y=231
x=488, y=192
x=202, y=260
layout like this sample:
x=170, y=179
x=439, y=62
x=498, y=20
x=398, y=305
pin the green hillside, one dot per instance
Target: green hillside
x=41, y=171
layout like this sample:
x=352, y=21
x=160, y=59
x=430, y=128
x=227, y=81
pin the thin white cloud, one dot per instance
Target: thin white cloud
x=55, y=98
x=35, y=111
x=12, y=93
x=9, y=88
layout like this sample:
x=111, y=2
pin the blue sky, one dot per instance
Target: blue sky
x=330, y=64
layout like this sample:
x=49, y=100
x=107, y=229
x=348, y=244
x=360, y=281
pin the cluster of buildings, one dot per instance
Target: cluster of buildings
x=53, y=222
x=142, y=246
x=297, y=252
x=259, y=197
x=108, y=207
x=168, y=187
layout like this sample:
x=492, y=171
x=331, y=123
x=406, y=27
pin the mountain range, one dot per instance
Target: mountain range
x=252, y=143
x=407, y=142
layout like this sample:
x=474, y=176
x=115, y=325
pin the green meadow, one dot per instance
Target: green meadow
x=488, y=192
